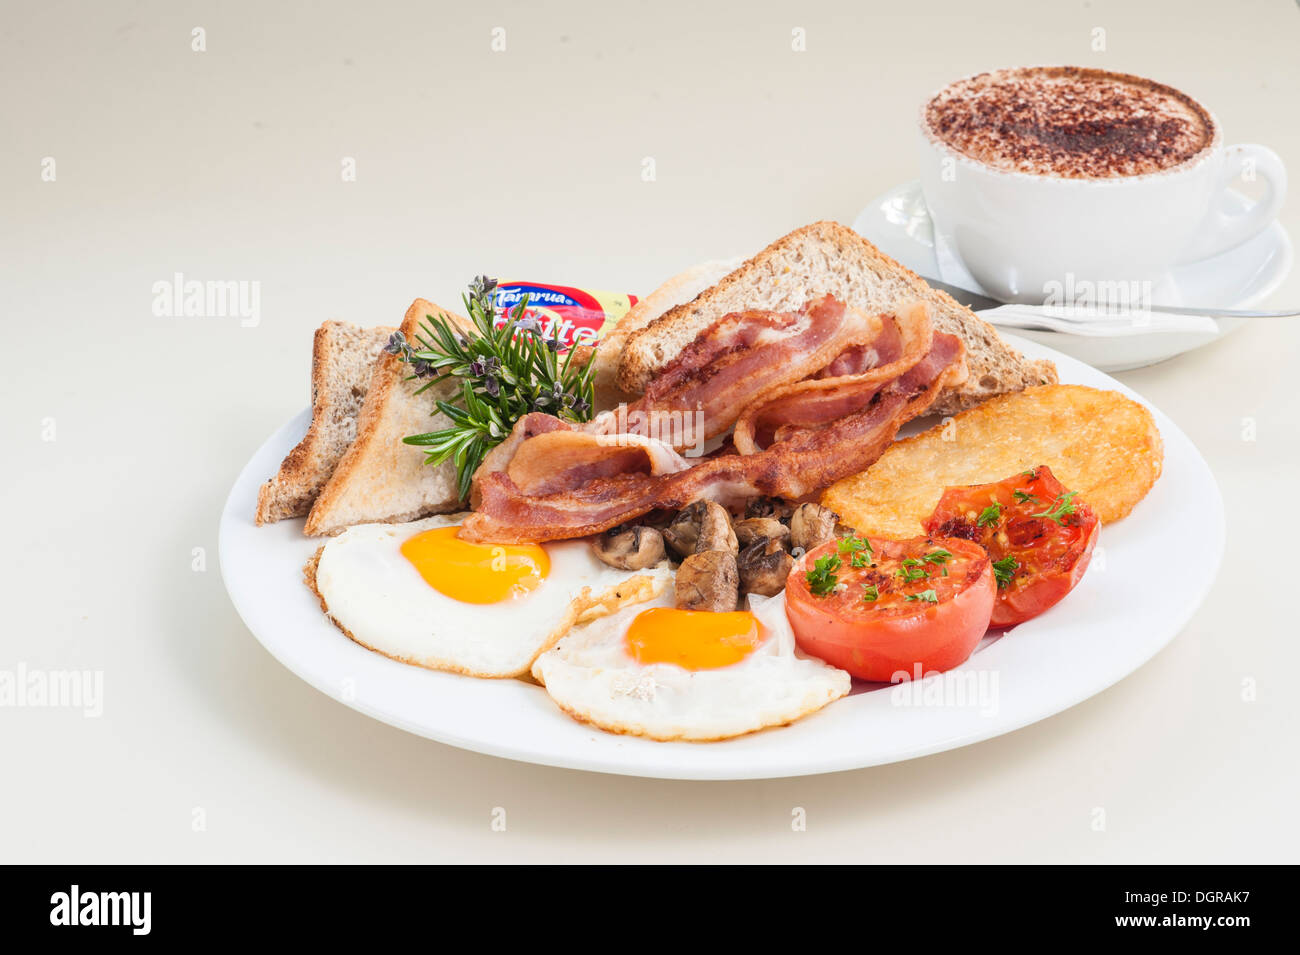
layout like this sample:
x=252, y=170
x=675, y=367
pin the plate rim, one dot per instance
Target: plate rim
x=236, y=512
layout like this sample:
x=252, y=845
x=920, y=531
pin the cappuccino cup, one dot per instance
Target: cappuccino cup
x=1041, y=176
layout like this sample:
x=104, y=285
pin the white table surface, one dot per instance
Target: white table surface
x=225, y=164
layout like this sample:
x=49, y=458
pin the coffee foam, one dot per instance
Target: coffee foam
x=1069, y=122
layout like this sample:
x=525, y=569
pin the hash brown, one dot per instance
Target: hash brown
x=1098, y=443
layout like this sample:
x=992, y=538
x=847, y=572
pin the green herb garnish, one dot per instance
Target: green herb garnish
x=859, y=547
x=929, y=596
x=870, y=592
x=1004, y=570
x=822, y=579
x=505, y=373
x=990, y=515
x=939, y=556
x=913, y=570
x=1061, y=507
x=851, y=544
x=1024, y=497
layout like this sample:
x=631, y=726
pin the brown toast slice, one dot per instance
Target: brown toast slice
x=682, y=287
x=380, y=479
x=342, y=359
x=829, y=257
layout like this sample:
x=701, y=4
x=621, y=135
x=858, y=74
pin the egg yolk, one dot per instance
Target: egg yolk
x=693, y=639
x=476, y=573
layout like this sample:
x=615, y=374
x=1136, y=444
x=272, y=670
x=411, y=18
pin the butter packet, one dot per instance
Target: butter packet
x=573, y=316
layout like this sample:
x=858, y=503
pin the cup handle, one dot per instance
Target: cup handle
x=1222, y=230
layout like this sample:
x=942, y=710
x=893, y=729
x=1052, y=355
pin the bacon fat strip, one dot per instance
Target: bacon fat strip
x=884, y=347
x=563, y=459
x=498, y=459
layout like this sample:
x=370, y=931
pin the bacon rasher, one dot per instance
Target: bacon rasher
x=554, y=481
x=846, y=386
x=742, y=355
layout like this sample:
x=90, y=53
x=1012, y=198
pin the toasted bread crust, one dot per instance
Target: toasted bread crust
x=342, y=356
x=380, y=479
x=995, y=367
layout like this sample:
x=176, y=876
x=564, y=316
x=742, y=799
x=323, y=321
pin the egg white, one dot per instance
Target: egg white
x=590, y=675
x=378, y=598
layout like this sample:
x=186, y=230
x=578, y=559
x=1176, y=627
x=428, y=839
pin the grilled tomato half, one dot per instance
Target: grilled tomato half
x=1039, y=536
x=882, y=608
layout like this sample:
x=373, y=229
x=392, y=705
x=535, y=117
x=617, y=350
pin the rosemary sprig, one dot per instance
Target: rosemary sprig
x=505, y=373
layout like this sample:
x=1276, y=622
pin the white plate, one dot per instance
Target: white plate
x=1149, y=575
x=899, y=223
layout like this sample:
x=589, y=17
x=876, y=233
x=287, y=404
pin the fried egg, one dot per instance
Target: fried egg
x=418, y=593
x=652, y=670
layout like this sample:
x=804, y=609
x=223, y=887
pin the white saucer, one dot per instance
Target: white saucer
x=899, y=223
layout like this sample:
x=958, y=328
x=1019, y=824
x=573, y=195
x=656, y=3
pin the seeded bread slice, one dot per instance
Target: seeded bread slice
x=342, y=358
x=828, y=257
x=680, y=288
x=380, y=479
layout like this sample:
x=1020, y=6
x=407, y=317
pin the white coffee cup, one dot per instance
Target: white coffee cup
x=1022, y=235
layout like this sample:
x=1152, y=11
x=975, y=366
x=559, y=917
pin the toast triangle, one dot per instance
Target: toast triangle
x=342, y=359
x=380, y=479
x=829, y=257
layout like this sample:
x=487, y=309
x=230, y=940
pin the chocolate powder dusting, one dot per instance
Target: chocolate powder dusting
x=1070, y=121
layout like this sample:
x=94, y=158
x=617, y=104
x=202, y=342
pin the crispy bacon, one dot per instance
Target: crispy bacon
x=817, y=402
x=563, y=459
x=498, y=459
x=803, y=460
x=885, y=347
x=740, y=356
